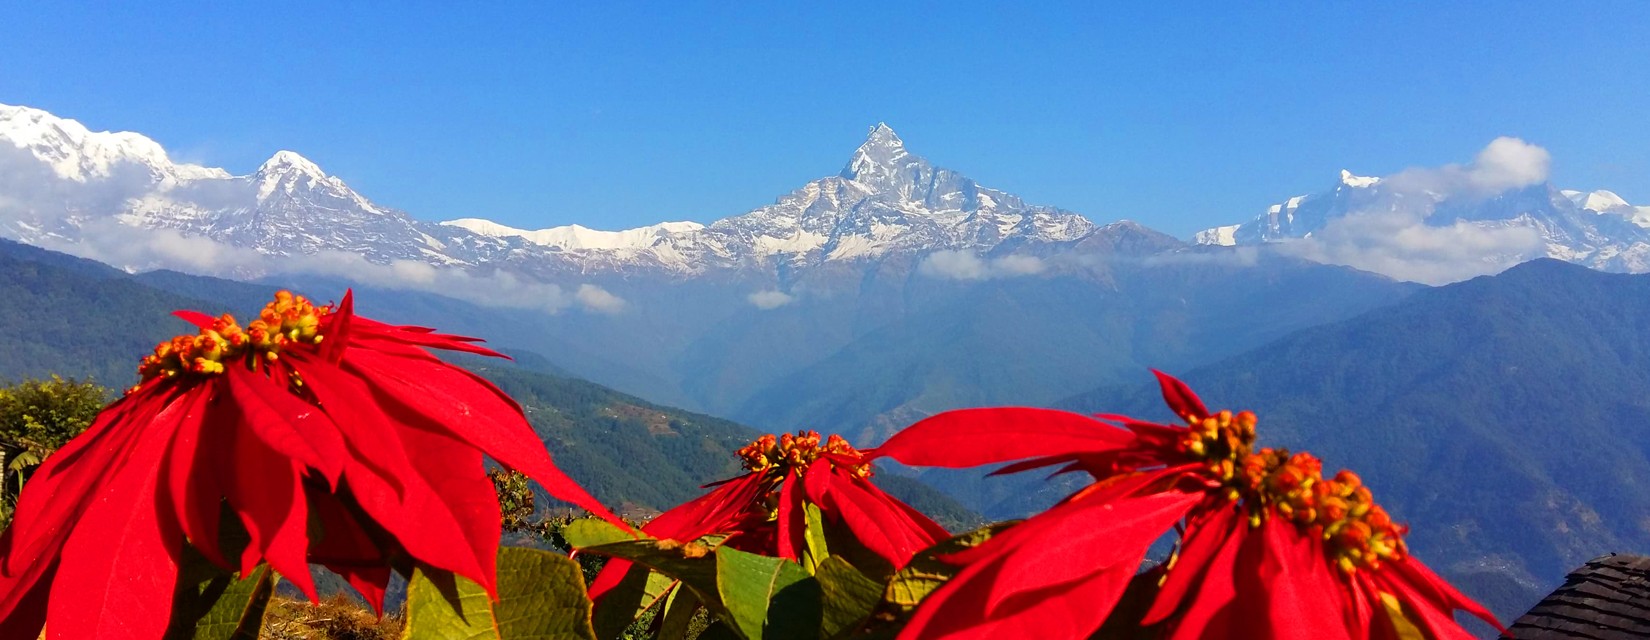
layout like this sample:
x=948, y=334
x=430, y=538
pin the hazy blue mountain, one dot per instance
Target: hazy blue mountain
x=78, y=318
x=1506, y=418
x=1035, y=341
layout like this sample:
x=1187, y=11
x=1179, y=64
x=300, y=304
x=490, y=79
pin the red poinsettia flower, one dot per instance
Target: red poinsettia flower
x=330, y=438
x=1269, y=547
x=762, y=511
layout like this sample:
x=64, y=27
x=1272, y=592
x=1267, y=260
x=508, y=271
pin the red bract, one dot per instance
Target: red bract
x=331, y=438
x=1269, y=549
x=762, y=511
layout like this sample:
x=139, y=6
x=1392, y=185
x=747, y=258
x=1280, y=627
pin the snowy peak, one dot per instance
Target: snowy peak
x=289, y=162
x=290, y=175
x=1600, y=201
x=76, y=153
x=1607, y=203
x=1356, y=181
x=882, y=136
x=880, y=157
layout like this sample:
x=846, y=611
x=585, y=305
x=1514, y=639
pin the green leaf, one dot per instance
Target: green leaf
x=926, y=572
x=541, y=596
x=640, y=589
x=212, y=604
x=590, y=532
x=817, y=549
x=678, y=614
x=767, y=597
x=848, y=597
x=692, y=563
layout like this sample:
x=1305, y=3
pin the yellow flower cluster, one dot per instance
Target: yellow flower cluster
x=1357, y=533
x=787, y=452
x=287, y=320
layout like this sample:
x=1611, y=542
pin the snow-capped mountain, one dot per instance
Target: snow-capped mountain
x=1607, y=202
x=1298, y=216
x=885, y=201
x=75, y=153
x=62, y=179
x=1597, y=228
x=62, y=184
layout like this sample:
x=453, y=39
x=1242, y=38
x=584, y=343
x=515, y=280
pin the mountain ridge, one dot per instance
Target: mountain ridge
x=1504, y=417
x=884, y=201
x=1597, y=228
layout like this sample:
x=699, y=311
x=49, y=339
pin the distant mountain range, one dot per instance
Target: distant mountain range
x=63, y=184
x=859, y=302
x=886, y=201
x=1595, y=228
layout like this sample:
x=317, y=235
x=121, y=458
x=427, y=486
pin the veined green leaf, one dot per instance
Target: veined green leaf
x=818, y=549
x=693, y=563
x=589, y=532
x=211, y=604
x=926, y=572
x=847, y=597
x=767, y=597
x=541, y=596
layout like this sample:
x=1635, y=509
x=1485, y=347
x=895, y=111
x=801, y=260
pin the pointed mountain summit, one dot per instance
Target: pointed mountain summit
x=288, y=173
x=879, y=157
x=1356, y=181
x=286, y=162
x=885, y=201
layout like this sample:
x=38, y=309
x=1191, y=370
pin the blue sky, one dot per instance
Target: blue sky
x=537, y=115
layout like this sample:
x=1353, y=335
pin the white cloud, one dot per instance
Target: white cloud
x=1393, y=235
x=963, y=265
x=598, y=299
x=770, y=299
x=1009, y=266
x=954, y=265
x=1505, y=163
x=414, y=272
x=1402, y=246
x=1509, y=163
